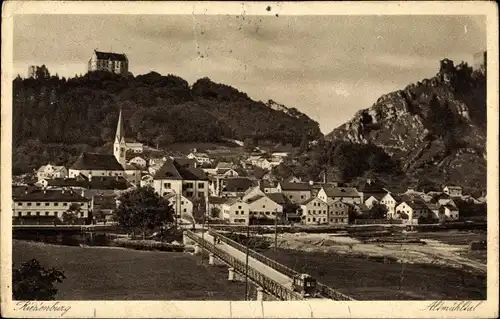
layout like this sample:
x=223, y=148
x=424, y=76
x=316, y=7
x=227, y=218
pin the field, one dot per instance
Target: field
x=365, y=279
x=120, y=274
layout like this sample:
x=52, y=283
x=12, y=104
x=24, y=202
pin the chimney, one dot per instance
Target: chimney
x=90, y=176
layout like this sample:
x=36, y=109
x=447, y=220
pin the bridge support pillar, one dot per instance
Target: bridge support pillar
x=231, y=274
x=260, y=294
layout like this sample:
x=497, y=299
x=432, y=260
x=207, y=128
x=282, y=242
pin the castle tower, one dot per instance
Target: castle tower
x=119, y=148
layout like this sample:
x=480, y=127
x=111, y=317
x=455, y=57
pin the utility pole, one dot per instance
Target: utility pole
x=246, y=261
x=275, y=232
x=198, y=204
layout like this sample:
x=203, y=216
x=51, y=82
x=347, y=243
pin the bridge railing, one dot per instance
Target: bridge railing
x=265, y=282
x=324, y=289
x=263, y=259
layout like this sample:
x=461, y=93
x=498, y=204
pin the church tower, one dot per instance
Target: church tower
x=119, y=148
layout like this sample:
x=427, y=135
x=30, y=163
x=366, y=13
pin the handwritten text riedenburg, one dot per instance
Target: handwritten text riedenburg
x=453, y=306
x=42, y=306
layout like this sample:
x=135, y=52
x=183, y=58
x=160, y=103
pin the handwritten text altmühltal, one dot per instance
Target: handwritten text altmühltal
x=453, y=306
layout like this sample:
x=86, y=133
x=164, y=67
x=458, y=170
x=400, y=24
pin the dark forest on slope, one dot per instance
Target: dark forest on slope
x=56, y=118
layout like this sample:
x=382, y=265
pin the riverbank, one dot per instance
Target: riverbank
x=446, y=249
x=106, y=273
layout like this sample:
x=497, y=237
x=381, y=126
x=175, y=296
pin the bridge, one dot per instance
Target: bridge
x=270, y=277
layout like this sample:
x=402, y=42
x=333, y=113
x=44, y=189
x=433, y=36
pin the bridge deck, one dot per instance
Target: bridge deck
x=252, y=262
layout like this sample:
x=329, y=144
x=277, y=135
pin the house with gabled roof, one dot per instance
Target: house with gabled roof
x=50, y=171
x=232, y=187
x=109, y=62
x=390, y=201
x=201, y=158
x=263, y=206
x=450, y=211
x=96, y=165
x=343, y=194
x=236, y=211
x=338, y=212
x=411, y=210
x=139, y=161
x=172, y=178
x=314, y=211
x=295, y=192
x=32, y=205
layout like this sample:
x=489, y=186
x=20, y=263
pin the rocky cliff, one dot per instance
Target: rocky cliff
x=436, y=128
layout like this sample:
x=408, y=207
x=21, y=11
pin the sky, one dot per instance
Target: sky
x=328, y=67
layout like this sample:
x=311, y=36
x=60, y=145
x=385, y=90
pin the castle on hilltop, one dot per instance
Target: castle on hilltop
x=108, y=61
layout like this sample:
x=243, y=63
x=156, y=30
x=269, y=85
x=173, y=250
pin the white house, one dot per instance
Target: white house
x=453, y=191
x=51, y=171
x=390, y=201
x=188, y=182
x=343, y=194
x=411, y=211
x=236, y=211
x=262, y=206
x=47, y=203
x=182, y=205
x=139, y=161
x=450, y=211
x=314, y=211
x=201, y=158
x=134, y=147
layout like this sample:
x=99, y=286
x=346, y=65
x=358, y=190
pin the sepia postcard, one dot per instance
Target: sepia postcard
x=249, y=159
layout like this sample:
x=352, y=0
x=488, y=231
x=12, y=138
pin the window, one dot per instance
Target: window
x=189, y=185
x=236, y=212
x=28, y=204
x=308, y=219
x=81, y=214
x=65, y=204
x=184, y=210
x=28, y=213
x=164, y=193
x=37, y=204
x=19, y=204
x=290, y=196
x=273, y=213
x=201, y=185
x=38, y=213
x=47, y=204
x=166, y=185
x=46, y=213
x=56, y=214
x=56, y=204
x=302, y=197
x=263, y=206
x=314, y=219
x=267, y=213
x=239, y=207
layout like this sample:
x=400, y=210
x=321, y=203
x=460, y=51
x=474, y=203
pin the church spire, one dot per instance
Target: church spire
x=120, y=133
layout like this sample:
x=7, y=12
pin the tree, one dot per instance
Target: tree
x=199, y=209
x=71, y=215
x=31, y=281
x=163, y=139
x=142, y=209
x=215, y=212
x=377, y=211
